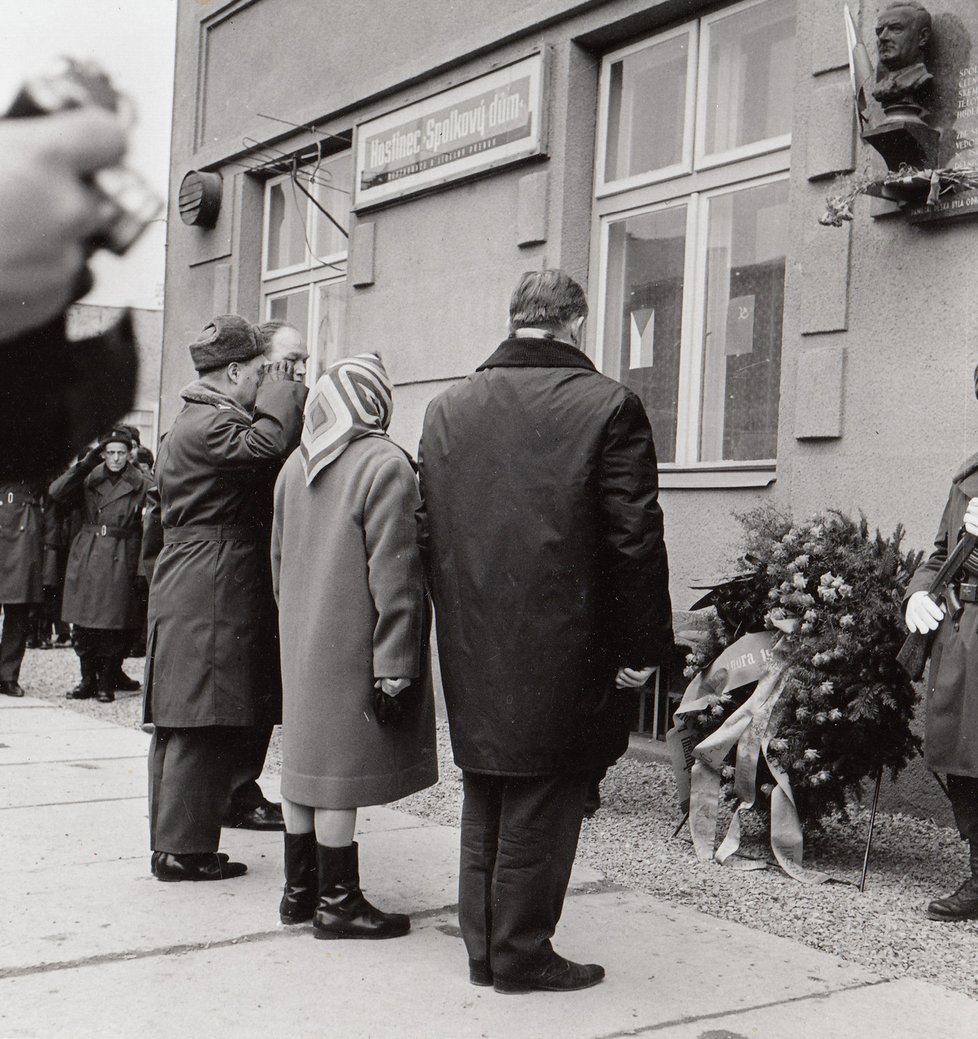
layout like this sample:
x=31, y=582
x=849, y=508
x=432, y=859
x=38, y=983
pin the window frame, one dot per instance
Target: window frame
x=745, y=167
x=308, y=276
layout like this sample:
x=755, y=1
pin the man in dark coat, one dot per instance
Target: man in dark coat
x=951, y=721
x=550, y=581
x=100, y=596
x=21, y=572
x=213, y=686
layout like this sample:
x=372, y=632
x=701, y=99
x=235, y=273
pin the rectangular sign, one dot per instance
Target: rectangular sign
x=490, y=121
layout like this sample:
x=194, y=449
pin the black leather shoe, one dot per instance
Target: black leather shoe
x=962, y=905
x=155, y=858
x=559, y=975
x=479, y=973
x=85, y=690
x=266, y=816
x=105, y=696
x=122, y=683
x=197, y=866
x=11, y=689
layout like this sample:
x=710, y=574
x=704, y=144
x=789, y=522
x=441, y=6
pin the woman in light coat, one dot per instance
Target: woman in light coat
x=358, y=717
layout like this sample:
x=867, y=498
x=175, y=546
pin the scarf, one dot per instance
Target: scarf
x=352, y=399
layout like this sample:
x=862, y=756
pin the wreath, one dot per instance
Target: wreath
x=831, y=595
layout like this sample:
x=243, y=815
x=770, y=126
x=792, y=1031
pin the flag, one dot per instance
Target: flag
x=860, y=68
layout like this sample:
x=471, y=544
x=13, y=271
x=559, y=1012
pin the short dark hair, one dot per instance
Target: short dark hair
x=269, y=329
x=546, y=299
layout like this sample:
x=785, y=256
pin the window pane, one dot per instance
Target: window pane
x=647, y=109
x=330, y=334
x=286, y=226
x=643, y=323
x=334, y=178
x=751, y=71
x=744, y=304
x=293, y=308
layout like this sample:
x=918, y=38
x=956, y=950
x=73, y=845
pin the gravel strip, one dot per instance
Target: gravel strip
x=630, y=841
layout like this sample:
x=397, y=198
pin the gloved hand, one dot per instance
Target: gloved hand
x=277, y=371
x=92, y=458
x=390, y=703
x=923, y=614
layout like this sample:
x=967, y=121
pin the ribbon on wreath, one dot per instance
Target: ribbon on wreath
x=749, y=728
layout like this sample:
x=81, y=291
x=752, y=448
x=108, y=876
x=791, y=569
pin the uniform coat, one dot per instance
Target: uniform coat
x=100, y=577
x=22, y=526
x=951, y=724
x=212, y=645
x=547, y=560
x=350, y=590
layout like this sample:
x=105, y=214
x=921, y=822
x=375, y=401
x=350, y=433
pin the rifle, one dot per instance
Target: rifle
x=913, y=653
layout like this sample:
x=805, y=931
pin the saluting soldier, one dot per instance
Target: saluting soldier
x=213, y=683
x=21, y=572
x=100, y=593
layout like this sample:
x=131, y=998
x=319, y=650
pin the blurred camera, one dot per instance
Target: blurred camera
x=76, y=84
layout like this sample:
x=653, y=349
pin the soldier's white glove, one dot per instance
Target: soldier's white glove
x=923, y=614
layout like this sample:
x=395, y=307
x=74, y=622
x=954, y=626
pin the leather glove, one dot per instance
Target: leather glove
x=277, y=371
x=92, y=458
x=390, y=709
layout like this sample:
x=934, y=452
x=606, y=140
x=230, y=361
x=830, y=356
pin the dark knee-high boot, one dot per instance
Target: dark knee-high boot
x=301, y=890
x=342, y=911
x=963, y=904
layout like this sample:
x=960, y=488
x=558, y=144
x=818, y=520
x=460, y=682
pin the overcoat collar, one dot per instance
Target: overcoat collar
x=108, y=491
x=200, y=393
x=530, y=352
x=969, y=467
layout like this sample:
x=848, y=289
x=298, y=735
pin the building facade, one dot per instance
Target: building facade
x=387, y=171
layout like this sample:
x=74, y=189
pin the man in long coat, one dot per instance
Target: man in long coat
x=212, y=668
x=550, y=583
x=951, y=721
x=100, y=597
x=21, y=572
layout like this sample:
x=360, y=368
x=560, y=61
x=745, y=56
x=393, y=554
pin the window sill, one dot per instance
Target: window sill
x=707, y=477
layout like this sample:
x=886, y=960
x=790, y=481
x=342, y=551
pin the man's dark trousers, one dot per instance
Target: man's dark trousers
x=519, y=838
x=189, y=777
x=247, y=759
x=13, y=641
x=963, y=791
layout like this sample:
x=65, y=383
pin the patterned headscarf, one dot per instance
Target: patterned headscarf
x=353, y=399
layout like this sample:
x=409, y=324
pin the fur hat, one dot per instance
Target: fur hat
x=117, y=435
x=225, y=339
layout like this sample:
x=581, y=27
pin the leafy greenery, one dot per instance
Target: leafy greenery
x=834, y=593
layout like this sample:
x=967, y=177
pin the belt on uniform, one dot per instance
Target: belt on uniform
x=178, y=535
x=968, y=592
x=11, y=498
x=103, y=530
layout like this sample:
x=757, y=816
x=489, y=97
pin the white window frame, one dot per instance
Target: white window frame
x=307, y=276
x=685, y=165
x=748, y=166
x=745, y=151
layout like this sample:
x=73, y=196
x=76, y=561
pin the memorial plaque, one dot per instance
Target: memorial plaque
x=953, y=60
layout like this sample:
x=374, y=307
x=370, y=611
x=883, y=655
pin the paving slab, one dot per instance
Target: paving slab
x=92, y=743
x=666, y=967
x=71, y=782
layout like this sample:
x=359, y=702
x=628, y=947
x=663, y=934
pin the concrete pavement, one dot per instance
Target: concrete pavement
x=92, y=945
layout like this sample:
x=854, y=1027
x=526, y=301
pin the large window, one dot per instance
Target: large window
x=304, y=256
x=691, y=208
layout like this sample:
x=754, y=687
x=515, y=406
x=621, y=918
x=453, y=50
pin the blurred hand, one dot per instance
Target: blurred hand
x=971, y=517
x=633, y=677
x=923, y=614
x=49, y=211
